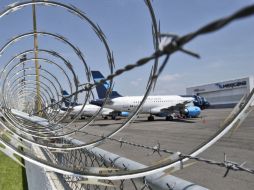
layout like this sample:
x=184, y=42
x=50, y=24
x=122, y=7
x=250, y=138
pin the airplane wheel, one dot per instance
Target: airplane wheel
x=105, y=117
x=150, y=118
x=113, y=117
x=169, y=118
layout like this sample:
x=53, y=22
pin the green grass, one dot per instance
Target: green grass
x=12, y=175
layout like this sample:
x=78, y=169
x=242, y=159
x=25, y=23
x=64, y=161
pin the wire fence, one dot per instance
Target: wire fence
x=83, y=159
x=78, y=165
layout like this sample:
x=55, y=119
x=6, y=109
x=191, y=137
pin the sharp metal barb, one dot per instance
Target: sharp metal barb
x=170, y=187
x=157, y=149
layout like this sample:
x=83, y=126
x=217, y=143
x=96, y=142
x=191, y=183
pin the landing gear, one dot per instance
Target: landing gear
x=105, y=118
x=113, y=117
x=169, y=118
x=150, y=118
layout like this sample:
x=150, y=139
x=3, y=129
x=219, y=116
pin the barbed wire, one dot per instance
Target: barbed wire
x=176, y=44
x=72, y=158
x=229, y=165
x=157, y=148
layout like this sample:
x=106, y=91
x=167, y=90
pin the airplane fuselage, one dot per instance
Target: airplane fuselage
x=153, y=104
x=90, y=110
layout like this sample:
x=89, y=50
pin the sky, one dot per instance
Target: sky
x=226, y=54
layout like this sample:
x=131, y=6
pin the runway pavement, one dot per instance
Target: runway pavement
x=183, y=136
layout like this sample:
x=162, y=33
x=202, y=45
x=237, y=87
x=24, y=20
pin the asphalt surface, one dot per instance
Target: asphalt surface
x=184, y=136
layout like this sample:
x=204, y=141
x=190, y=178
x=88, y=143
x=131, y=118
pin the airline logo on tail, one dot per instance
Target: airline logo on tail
x=67, y=101
x=102, y=89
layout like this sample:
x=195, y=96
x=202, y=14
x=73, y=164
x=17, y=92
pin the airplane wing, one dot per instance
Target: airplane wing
x=107, y=111
x=178, y=106
x=170, y=109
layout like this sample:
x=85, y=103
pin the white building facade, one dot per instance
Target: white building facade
x=226, y=93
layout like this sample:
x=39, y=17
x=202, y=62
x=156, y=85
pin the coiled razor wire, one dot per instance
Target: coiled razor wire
x=18, y=83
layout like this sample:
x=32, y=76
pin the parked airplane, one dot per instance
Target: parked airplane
x=162, y=106
x=89, y=109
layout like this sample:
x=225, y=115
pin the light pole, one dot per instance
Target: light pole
x=37, y=66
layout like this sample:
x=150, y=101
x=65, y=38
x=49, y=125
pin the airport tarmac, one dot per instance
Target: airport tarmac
x=183, y=136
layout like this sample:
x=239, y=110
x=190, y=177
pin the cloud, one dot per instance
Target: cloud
x=166, y=84
x=169, y=77
x=167, y=89
x=216, y=65
x=136, y=82
x=170, y=84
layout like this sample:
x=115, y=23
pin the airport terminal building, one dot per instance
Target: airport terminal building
x=223, y=94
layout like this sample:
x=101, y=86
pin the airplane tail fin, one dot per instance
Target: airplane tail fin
x=65, y=93
x=115, y=94
x=67, y=101
x=52, y=100
x=102, y=89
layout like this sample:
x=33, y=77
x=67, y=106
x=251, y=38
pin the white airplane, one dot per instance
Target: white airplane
x=162, y=106
x=88, y=111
